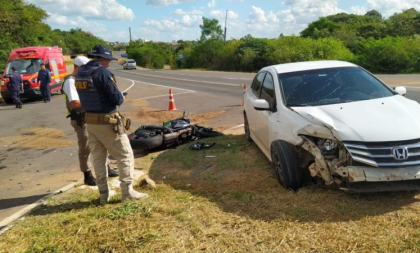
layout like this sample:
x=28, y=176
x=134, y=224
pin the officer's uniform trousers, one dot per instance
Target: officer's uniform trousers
x=82, y=141
x=45, y=90
x=103, y=139
x=15, y=97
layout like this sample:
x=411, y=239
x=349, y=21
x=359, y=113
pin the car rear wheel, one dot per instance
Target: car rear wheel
x=247, y=131
x=285, y=165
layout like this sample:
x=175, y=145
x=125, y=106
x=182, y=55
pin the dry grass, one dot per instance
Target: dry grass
x=235, y=205
x=144, y=113
x=38, y=138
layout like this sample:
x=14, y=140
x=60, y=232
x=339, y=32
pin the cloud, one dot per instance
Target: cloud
x=306, y=11
x=191, y=20
x=92, y=9
x=79, y=22
x=257, y=15
x=211, y=4
x=221, y=15
x=166, y=2
x=359, y=10
x=193, y=12
x=389, y=7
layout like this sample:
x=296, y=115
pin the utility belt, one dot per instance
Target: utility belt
x=119, y=122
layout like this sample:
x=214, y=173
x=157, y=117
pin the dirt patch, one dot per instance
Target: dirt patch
x=38, y=138
x=151, y=116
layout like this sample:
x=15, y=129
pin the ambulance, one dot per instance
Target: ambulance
x=27, y=62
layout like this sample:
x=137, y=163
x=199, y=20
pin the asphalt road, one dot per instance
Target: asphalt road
x=28, y=174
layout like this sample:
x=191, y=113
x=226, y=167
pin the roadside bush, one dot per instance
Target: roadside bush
x=295, y=49
x=147, y=55
x=391, y=55
x=206, y=54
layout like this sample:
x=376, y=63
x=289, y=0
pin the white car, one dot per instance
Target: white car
x=334, y=121
x=130, y=64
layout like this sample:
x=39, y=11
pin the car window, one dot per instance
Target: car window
x=330, y=86
x=256, y=84
x=267, y=91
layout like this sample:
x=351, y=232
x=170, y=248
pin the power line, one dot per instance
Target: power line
x=225, y=25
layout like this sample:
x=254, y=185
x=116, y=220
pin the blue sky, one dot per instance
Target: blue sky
x=168, y=20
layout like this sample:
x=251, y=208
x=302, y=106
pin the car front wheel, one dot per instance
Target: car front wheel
x=285, y=165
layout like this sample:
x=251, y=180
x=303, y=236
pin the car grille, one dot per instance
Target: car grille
x=385, y=154
x=26, y=85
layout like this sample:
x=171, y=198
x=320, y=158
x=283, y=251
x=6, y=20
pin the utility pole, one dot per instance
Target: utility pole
x=129, y=30
x=225, y=26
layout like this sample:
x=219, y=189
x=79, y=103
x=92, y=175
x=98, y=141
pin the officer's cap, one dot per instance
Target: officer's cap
x=101, y=51
x=81, y=60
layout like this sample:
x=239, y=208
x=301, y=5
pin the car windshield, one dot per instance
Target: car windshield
x=131, y=61
x=330, y=86
x=24, y=66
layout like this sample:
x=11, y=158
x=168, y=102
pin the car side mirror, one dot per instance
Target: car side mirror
x=261, y=105
x=400, y=90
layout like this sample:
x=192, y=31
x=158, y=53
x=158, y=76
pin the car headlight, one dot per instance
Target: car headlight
x=326, y=145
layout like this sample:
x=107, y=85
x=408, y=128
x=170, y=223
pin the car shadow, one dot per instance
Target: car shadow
x=241, y=182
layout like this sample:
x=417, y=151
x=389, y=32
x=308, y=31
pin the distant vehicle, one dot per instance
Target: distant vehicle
x=336, y=122
x=27, y=62
x=130, y=64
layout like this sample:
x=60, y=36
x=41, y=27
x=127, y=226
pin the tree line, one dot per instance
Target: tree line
x=22, y=25
x=380, y=45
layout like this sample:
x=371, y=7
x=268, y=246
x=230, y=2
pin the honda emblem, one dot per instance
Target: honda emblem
x=400, y=153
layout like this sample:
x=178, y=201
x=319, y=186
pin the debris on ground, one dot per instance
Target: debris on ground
x=146, y=181
x=201, y=145
x=38, y=138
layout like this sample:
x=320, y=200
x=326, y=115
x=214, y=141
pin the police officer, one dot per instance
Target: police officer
x=44, y=80
x=15, y=86
x=76, y=115
x=100, y=96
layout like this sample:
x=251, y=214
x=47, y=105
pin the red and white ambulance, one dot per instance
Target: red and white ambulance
x=27, y=62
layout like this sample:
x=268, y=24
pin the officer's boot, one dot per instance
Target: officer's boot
x=129, y=193
x=89, y=179
x=104, y=195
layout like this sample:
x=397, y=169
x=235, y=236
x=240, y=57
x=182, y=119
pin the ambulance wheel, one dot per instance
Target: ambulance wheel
x=8, y=100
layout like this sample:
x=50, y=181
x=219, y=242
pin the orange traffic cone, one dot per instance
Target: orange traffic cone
x=171, y=106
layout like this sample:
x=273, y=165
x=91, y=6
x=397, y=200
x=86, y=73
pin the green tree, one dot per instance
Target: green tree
x=210, y=29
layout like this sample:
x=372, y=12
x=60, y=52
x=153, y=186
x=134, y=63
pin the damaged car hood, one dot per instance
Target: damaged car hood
x=393, y=118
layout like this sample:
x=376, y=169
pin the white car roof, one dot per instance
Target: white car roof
x=309, y=65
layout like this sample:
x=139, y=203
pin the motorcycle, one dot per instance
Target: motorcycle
x=171, y=133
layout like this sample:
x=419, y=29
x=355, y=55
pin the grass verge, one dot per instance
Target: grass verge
x=223, y=199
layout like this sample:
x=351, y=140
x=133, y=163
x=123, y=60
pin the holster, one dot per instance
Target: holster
x=77, y=115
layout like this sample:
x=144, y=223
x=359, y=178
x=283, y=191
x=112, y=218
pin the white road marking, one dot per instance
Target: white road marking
x=180, y=79
x=167, y=95
x=238, y=126
x=158, y=85
x=164, y=86
x=132, y=84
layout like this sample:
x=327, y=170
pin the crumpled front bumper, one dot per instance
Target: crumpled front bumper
x=371, y=179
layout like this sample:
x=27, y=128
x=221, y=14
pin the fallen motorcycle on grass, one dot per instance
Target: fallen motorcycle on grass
x=171, y=133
